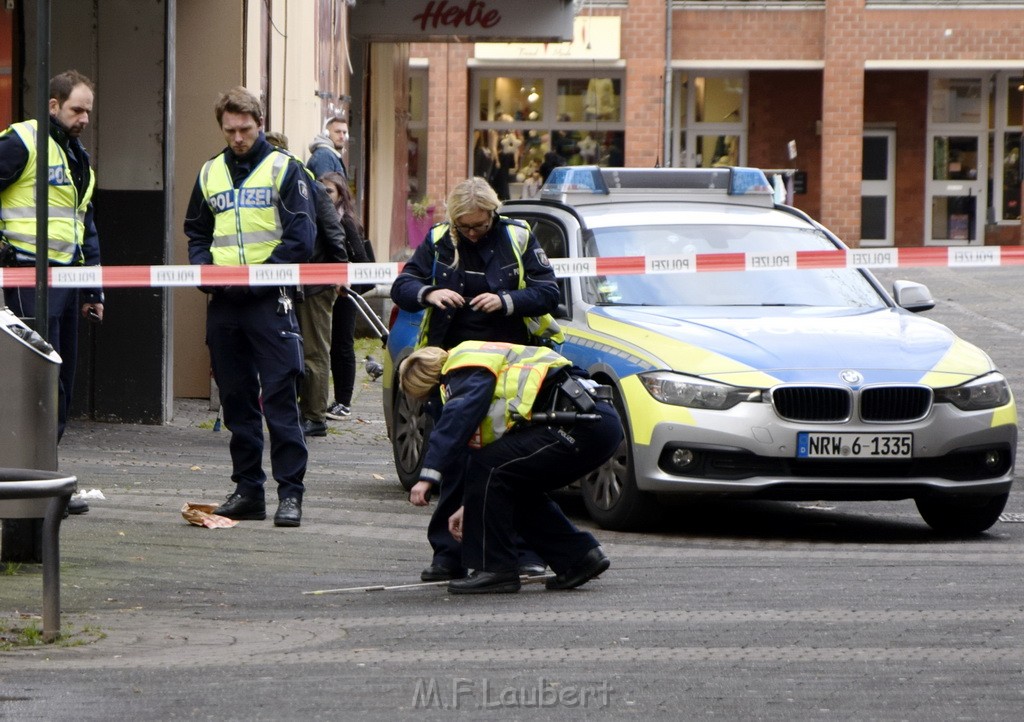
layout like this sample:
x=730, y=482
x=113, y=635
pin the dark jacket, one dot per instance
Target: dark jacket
x=330, y=245
x=14, y=157
x=422, y=273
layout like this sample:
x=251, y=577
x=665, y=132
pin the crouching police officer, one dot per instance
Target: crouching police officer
x=533, y=425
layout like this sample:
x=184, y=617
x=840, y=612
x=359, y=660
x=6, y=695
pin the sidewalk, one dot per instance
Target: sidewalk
x=140, y=587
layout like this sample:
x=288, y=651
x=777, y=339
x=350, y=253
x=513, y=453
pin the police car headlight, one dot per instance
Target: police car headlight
x=988, y=392
x=695, y=393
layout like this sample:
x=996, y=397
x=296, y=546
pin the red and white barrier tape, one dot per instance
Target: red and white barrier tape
x=384, y=273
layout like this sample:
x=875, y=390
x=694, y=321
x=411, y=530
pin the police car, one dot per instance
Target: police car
x=769, y=381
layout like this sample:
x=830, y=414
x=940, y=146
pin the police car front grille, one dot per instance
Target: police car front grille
x=812, y=403
x=894, y=404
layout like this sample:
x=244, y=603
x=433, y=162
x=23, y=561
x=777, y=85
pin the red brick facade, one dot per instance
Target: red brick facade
x=843, y=66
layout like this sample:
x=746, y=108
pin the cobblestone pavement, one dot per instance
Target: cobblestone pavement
x=752, y=610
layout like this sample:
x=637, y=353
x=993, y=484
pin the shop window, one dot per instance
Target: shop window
x=956, y=100
x=511, y=99
x=588, y=99
x=1011, y=176
x=416, y=134
x=521, y=131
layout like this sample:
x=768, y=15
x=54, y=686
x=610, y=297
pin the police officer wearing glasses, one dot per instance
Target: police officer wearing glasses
x=533, y=423
x=477, y=276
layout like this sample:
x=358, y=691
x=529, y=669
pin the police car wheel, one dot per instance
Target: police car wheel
x=961, y=516
x=410, y=428
x=610, y=493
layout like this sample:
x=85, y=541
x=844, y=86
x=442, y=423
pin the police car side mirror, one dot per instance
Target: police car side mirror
x=915, y=297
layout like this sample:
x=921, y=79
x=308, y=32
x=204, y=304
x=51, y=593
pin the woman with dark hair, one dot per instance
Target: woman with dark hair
x=343, y=327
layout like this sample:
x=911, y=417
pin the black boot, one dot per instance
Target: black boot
x=242, y=508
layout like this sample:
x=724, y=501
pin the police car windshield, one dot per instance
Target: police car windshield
x=838, y=287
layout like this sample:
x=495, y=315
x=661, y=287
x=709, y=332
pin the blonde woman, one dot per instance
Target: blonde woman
x=466, y=276
x=466, y=273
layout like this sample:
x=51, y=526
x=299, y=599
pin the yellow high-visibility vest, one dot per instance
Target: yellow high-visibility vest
x=520, y=371
x=247, y=225
x=66, y=210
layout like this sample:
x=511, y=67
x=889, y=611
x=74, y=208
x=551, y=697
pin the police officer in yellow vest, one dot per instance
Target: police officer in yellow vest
x=71, y=232
x=495, y=395
x=252, y=204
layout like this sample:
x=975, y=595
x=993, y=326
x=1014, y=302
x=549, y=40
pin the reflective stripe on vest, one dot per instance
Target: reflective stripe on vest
x=247, y=225
x=65, y=210
x=519, y=371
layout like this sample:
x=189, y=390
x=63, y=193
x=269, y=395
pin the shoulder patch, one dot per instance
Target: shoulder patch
x=303, y=189
x=542, y=257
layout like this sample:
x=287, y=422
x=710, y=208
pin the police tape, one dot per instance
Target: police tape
x=385, y=273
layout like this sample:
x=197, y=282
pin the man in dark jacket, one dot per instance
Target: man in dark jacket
x=316, y=309
x=251, y=205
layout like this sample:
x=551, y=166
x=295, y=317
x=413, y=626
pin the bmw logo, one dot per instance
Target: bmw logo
x=851, y=377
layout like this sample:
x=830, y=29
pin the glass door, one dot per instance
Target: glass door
x=957, y=165
x=711, y=120
x=878, y=188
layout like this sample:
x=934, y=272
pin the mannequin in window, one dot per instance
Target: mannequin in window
x=600, y=101
x=508, y=157
x=588, y=150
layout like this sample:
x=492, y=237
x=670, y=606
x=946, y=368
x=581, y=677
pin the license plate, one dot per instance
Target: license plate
x=818, y=445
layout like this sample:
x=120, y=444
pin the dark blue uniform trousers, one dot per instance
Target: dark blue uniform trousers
x=253, y=350
x=447, y=551
x=506, y=485
x=63, y=310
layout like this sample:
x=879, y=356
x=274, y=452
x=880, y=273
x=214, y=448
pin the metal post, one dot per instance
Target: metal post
x=667, y=119
x=51, y=567
x=42, y=312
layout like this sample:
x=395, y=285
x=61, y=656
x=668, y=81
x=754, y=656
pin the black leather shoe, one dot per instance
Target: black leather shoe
x=313, y=428
x=593, y=563
x=242, y=508
x=486, y=583
x=289, y=512
x=532, y=570
x=439, y=573
x=77, y=506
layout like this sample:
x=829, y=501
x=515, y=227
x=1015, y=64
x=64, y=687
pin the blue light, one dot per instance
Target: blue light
x=748, y=181
x=575, y=179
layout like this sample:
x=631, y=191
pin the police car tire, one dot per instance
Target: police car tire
x=629, y=509
x=409, y=433
x=961, y=516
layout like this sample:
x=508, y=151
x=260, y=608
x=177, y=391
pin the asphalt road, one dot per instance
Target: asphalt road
x=733, y=611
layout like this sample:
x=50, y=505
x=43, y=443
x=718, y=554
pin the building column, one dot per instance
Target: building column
x=643, y=42
x=842, y=119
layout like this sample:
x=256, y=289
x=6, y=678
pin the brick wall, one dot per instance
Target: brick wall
x=898, y=100
x=785, y=106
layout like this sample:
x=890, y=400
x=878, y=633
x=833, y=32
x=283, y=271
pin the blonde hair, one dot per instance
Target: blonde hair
x=469, y=196
x=420, y=372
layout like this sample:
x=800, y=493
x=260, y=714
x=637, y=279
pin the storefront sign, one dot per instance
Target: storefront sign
x=594, y=38
x=473, y=20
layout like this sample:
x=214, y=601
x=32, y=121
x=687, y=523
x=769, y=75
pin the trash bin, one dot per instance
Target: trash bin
x=28, y=422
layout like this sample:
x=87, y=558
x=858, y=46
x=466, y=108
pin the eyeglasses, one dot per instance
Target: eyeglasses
x=475, y=228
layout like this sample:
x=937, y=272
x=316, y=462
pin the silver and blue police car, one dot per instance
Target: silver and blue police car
x=771, y=381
